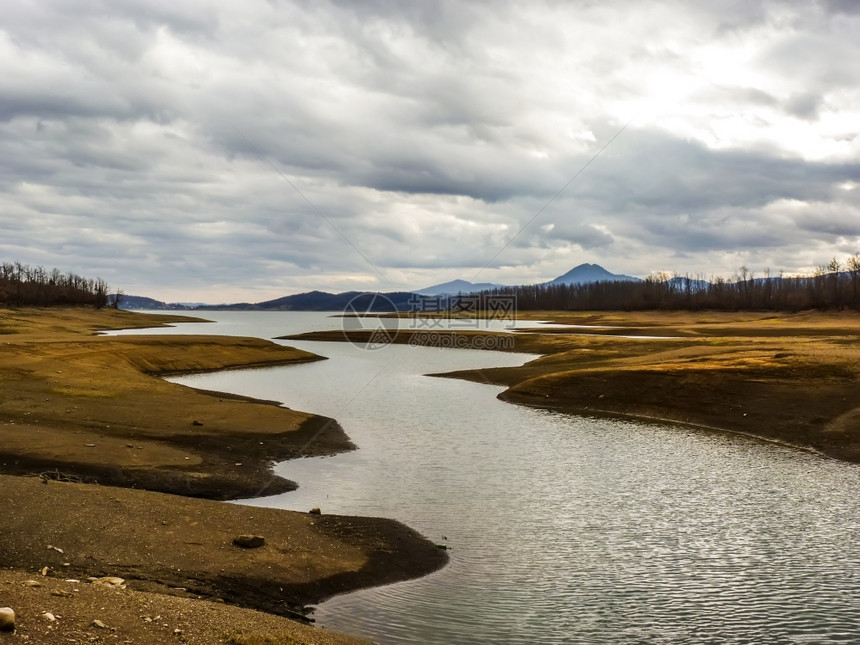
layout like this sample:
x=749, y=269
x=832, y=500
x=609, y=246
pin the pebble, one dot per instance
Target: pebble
x=47, y=615
x=108, y=581
x=7, y=619
x=315, y=510
x=99, y=624
x=32, y=583
x=249, y=541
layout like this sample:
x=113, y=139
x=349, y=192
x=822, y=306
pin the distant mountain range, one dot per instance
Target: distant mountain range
x=367, y=301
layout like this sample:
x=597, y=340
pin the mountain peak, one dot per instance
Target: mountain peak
x=587, y=273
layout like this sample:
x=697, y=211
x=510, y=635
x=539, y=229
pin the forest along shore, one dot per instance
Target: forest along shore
x=788, y=378
x=78, y=409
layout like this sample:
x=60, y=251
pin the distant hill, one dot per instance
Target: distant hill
x=588, y=273
x=142, y=302
x=359, y=301
x=693, y=285
x=457, y=286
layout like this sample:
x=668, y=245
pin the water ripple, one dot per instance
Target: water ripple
x=565, y=529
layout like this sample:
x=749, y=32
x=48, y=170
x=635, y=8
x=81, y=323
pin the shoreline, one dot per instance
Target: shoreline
x=633, y=416
x=79, y=407
x=785, y=378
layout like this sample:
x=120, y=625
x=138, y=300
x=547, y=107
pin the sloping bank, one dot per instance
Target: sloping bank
x=76, y=407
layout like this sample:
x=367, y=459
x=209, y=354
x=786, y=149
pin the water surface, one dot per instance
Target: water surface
x=561, y=528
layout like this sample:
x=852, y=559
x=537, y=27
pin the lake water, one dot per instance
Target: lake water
x=560, y=528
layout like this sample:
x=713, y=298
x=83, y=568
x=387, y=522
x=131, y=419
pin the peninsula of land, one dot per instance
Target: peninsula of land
x=782, y=377
x=78, y=409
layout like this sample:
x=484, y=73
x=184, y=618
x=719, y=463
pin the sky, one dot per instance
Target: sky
x=241, y=151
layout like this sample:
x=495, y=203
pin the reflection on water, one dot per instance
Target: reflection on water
x=563, y=529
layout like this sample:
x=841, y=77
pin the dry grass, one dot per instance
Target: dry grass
x=94, y=406
x=77, y=407
x=791, y=378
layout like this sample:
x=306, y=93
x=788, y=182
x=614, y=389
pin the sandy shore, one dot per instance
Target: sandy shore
x=789, y=378
x=77, y=407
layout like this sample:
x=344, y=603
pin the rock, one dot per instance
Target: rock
x=315, y=511
x=196, y=423
x=99, y=624
x=249, y=541
x=7, y=619
x=108, y=581
x=32, y=583
x=44, y=571
x=47, y=615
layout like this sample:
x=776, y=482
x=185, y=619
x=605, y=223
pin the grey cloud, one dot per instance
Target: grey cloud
x=804, y=106
x=429, y=133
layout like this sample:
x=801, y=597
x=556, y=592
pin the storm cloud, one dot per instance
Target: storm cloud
x=217, y=151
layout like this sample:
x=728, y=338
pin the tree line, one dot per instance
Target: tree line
x=23, y=285
x=831, y=286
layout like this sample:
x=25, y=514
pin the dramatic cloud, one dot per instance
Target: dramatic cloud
x=226, y=151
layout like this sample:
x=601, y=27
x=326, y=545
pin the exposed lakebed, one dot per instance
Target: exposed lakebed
x=560, y=528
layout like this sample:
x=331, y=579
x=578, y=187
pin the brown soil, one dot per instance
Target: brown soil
x=76, y=407
x=789, y=378
x=93, y=408
x=139, y=617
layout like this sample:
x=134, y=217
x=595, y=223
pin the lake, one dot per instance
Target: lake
x=560, y=528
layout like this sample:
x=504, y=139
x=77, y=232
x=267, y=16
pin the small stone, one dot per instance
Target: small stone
x=89, y=445
x=147, y=619
x=112, y=582
x=32, y=583
x=49, y=616
x=44, y=571
x=177, y=632
x=7, y=619
x=99, y=624
x=315, y=511
x=249, y=541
